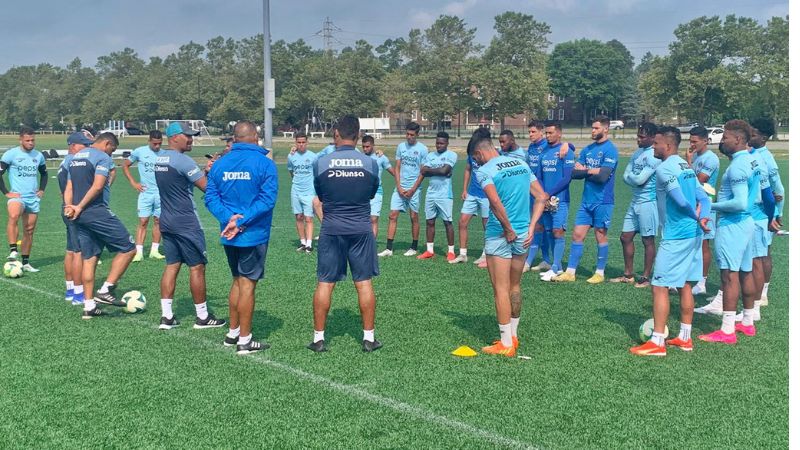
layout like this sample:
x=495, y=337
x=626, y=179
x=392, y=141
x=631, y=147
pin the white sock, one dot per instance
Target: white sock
x=70, y=285
x=233, y=332
x=105, y=287
x=658, y=338
x=166, y=308
x=747, y=317
x=319, y=336
x=462, y=252
x=570, y=271
x=89, y=304
x=602, y=273
x=154, y=247
x=702, y=282
x=505, y=335
x=686, y=331
x=139, y=248
x=429, y=246
x=765, y=290
x=78, y=289
x=244, y=340
x=369, y=335
x=308, y=242
x=451, y=249
x=483, y=254
x=514, y=326
x=728, y=322
x=202, y=310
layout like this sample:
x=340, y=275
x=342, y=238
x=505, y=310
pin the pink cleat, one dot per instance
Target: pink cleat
x=483, y=264
x=719, y=336
x=746, y=330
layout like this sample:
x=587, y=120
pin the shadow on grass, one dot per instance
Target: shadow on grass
x=264, y=324
x=629, y=322
x=481, y=326
x=344, y=322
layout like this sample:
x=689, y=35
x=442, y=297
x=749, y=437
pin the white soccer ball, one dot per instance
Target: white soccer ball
x=646, y=330
x=13, y=269
x=134, y=302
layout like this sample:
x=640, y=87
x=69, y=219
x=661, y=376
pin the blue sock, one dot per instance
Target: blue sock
x=547, y=238
x=575, y=253
x=558, y=253
x=602, y=256
x=537, y=242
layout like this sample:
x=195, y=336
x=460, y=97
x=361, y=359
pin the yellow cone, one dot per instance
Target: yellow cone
x=464, y=351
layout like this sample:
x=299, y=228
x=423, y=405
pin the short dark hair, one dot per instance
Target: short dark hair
x=26, y=131
x=553, y=123
x=604, y=120
x=648, y=128
x=156, y=134
x=479, y=142
x=413, y=126
x=538, y=124
x=764, y=126
x=299, y=135
x=670, y=133
x=507, y=133
x=739, y=126
x=477, y=135
x=348, y=127
x=700, y=131
x=443, y=135
x=107, y=136
x=367, y=138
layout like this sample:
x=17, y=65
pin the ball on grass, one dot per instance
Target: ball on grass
x=13, y=269
x=646, y=330
x=134, y=302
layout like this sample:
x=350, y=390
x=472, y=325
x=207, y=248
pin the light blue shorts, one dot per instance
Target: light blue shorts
x=734, y=247
x=712, y=226
x=375, y=205
x=678, y=261
x=439, y=208
x=474, y=206
x=303, y=204
x=399, y=203
x=148, y=204
x=641, y=218
x=762, y=237
x=597, y=215
x=500, y=247
x=556, y=220
x=30, y=205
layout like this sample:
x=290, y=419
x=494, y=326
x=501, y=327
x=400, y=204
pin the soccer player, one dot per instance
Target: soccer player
x=300, y=165
x=241, y=193
x=405, y=197
x=474, y=201
x=509, y=146
x=642, y=215
x=376, y=204
x=86, y=200
x=679, y=259
x=438, y=166
x=184, y=241
x=538, y=143
x=555, y=173
x=23, y=163
x=597, y=164
x=508, y=183
x=346, y=180
x=733, y=244
x=149, y=203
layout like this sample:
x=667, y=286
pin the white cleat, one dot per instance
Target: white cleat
x=698, y=289
x=13, y=256
x=385, y=253
x=410, y=252
x=713, y=307
x=29, y=268
x=480, y=260
x=459, y=259
x=542, y=267
x=549, y=275
x=526, y=268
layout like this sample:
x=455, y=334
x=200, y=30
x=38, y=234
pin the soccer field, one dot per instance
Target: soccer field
x=120, y=382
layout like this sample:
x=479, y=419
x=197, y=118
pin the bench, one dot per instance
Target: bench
x=288, y=134
x=318, y=134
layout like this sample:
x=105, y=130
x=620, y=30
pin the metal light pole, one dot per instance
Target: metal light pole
x=267, y=76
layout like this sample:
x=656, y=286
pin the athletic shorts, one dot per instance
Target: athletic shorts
x=762, y=238
x=712, y=226
x=733, y=245
x=556, y=220
x=597, y=215
x=30, y=205
x=188, y=247
x=439, y=208
x=375, y=205
x=678, y=261
x=474, y=206
x=303, y=204
x=149, y=204
x=399, y=203
x=500, y=247
x=107, y=232
x=73, y=243
x=336, y=252
x=641, y=218
x=247, y=262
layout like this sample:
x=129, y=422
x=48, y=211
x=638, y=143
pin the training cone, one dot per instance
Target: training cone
x=464, y=351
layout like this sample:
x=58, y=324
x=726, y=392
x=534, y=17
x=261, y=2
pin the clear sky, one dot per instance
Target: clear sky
x=56, y=31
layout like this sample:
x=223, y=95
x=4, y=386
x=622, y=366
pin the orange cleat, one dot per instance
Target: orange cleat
x=686, y=346
x=426, y=255
x=514, y=342
x=499, y=349
x=649, y=348
x=450, y=256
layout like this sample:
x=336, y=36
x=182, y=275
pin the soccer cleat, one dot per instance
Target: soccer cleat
x=481, y=260
x=425, y=255
x=301, y=248
x=451, y=256
x=156, y=255
x=499, y=349
x=698, y=289
x=78, y=300
x=108, y=298
x=69, y=295
x=385, y=253
x=745, y=329
x=13, y=256
x=541, y=267
x=138, y=257
x=548, y=276
x=370, y=346
x=308, y=250
x=526, y=268
x=230, y=341
x=29, y=268
x=458, y=259
x=719, y=336
x=251, y=347
x=168, y=324
x=318, y=347
x=713, y=307
x=410, y=252
x=564, y=278
x=596, y=279
x=514, y=342
x=649, y=348
x=210, y=322
x=642, y=282
x=627, y=279
x=686, y=346
x=483, y=264
x=96, y=312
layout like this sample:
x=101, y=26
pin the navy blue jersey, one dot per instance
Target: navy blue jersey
x=345, y=181
x=175, y=175
x=82, y=169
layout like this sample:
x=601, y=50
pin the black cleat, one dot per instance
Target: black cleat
x=301, y=248
x=308, y=250
x=210, y=322
x=318, y=346
x=168, y=324
x=108, y=298
x=251, y=347
x=368, y=346
x=230, y=341
x=96, y=312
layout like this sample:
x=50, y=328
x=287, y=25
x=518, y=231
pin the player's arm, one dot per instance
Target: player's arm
x=214, y=203
x=566, y=176
x=98, y=184
x=3, y=168
x=112, y=175
x=398, y=170
x=777, y=188
x=42, y=179
x=68, y=193
x=409, y=193
x=703, y=177
x=538, y=208
x=641, y=179
x=580, y=171
x=467, y=179
x=737, y=202
x=445, y=171
x=265, y=199
x=602, y=174
x=629, y=173
x=499, y=211
x=126, y=169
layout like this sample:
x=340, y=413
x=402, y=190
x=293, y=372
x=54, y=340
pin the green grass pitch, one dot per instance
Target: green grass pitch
x=120, y=382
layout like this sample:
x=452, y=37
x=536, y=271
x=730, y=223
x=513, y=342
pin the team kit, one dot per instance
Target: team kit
x=521, y=195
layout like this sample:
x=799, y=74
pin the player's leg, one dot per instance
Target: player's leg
x=88, y=276
x=363, y=267
x=374, y=222
x=309, y=232
x=463, y=236
x=156, y=237
x=649, y=243
x=576, y=251
x=112, y=234
x=484, y=211
x=601, y=222
x=331, y=268
x=29, y=220
x=375, y=206
x=431, y=213
x=321, y=306
x=500, y=274
x=413, y=214
x=245, y=307
x=69, y=279
x=767, y=262
x=397, y=204
x=366, y=304
x=445, y=212
x=317, y=205
x=168, y=280
x=15, y=209
x=538, y=234
x=299, y=223
x=232, y=336
x=515, y=294
x=76, y=264
x=141, y=232
x=193, y=254
x=628, y=251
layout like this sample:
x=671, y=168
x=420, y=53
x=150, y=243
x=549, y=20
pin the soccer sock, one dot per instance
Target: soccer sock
x=545, y=245
x=505, y=335
x=558, y=253
x=26, y=259
x=104, y=289
x=202, y=310
x=658, y=338
x=166, y=307
x=602, y=257
x=369, y=335
x=70, y=285
x=414, y=244
x=390, y=244
x=462, y=252
x=13, y=247
x=429, y=246
x=154, y=247
x=139, y=248
x=747, y=317
x=233, y=332
x=89, y=304
x=451, y=249
x=319, y=336
x=765, y=290
x=575, y=253
x=702, y=281
x=514, y=326
x=244, y=340
x=686, y=331
x=728, y=322
x=78, y=289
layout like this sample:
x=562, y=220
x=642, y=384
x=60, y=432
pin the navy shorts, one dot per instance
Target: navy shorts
x=73, y=244
x=334, y=253
x=188, y=248
x=247, y=262
x=108, y=232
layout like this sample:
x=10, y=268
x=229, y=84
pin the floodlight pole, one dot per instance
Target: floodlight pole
x=267, y=76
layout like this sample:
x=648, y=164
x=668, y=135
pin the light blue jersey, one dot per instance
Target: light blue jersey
x=474, y=189
x=412, y=157
x=708, y=164
x=595, y=156
x=757, y=210
x=774, y=178
x=512, y=179
x=440, y=187
x=330, y=148
x=675, y=173
x=640, y=175
x=518, y=152
x=738, y=190
x=302, y=167
x=383, y=164
x=23, y=170
x=146, y=158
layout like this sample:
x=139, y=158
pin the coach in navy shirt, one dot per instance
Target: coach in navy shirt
x=345, y=181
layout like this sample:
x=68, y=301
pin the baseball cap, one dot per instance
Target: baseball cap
x=176, y=128
x=79, y=137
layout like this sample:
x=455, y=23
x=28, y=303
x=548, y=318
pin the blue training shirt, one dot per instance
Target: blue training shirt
x=675, y=173
x=23, y=170
x=175, y=174
x=738, y=190
x=512, y=179
x=594, y=156
x=474, y=189
x=535, y=150
x=774, y=178
x=302, y=167
x=84, y=166
x=412, y=157
x=146, y=158
x=707, y=163
x=642, y=163
x=553, y=169
x=440, y=187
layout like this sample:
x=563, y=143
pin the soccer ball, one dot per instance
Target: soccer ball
x=134, y=302
x=12, y=269
x=646, y=330
x=552, y=204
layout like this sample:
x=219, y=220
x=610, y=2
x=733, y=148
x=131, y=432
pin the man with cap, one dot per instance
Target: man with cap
x=148, y=203
x=184, y=242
